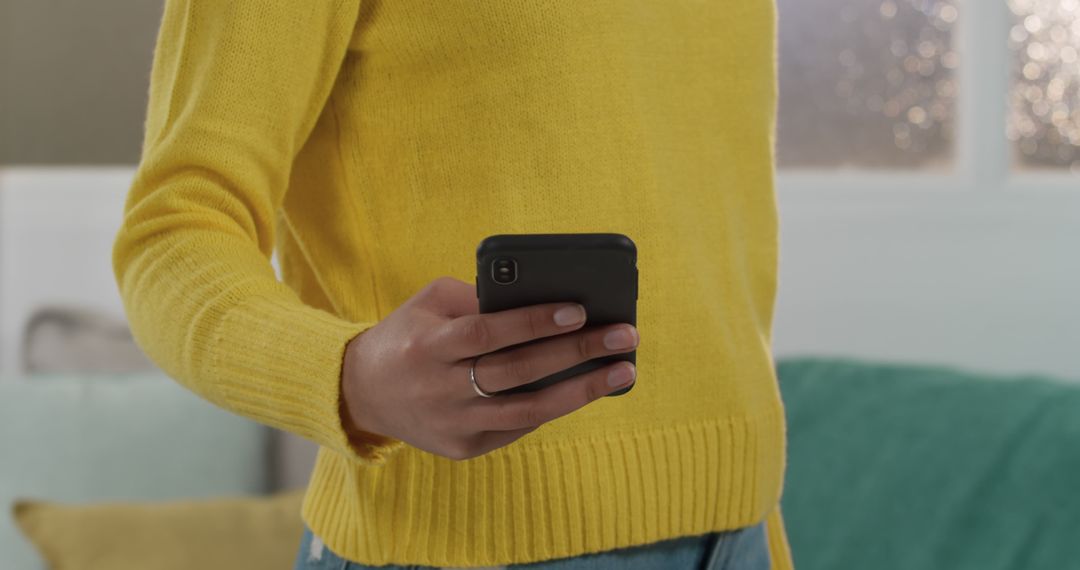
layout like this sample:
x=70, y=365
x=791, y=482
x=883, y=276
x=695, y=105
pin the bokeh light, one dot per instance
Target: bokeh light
x=1044, y=101
x=867, y=83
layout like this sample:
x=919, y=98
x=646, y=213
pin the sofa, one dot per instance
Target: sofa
x=905, y=467
x=890, y=466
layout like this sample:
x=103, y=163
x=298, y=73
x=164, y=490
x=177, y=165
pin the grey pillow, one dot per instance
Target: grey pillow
x=60, y=339
x=70, y=339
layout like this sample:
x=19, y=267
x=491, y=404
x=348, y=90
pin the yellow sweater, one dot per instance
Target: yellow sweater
x=373, y=145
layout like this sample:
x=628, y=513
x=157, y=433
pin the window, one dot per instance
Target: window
x=867, y=84
x=947, y=87
x=944, y=227
x=1044, y=98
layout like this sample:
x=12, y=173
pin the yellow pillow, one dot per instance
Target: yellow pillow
x=226, y=534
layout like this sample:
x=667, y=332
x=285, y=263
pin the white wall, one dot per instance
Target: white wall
x=56, y=232
x=897, y=271
x=987, y=281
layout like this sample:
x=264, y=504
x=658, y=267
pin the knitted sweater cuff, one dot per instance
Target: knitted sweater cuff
x=280, y=362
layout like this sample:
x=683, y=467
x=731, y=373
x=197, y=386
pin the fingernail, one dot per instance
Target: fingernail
x=570, y=315
x=621, y=376
x=620, y=338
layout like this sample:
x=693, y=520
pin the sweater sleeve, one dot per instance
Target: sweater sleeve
x=235, y=89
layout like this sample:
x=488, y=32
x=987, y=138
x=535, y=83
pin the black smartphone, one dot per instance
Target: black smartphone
x=598, y=270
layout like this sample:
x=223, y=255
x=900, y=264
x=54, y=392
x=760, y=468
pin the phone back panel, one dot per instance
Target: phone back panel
x=597, y=270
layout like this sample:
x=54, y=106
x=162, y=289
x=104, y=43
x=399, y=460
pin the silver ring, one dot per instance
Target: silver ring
x=472, y=380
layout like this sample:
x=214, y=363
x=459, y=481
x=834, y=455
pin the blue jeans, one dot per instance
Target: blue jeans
x=743, y=549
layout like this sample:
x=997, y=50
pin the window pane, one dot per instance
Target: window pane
x=867, y=83
x=1044, y=117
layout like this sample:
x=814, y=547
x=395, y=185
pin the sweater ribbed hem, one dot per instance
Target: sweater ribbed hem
x=537, y=501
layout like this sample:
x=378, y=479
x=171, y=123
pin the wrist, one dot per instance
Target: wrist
x=356, y=424
x=347, y=389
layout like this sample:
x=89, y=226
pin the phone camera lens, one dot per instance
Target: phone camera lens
x=504, y=270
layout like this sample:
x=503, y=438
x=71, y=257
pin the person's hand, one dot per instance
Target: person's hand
x=408, y=376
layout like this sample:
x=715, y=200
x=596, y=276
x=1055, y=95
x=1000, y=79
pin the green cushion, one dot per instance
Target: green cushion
x=77, y=438
x=920, y=467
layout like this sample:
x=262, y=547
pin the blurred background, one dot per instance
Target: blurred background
x=927, y=326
